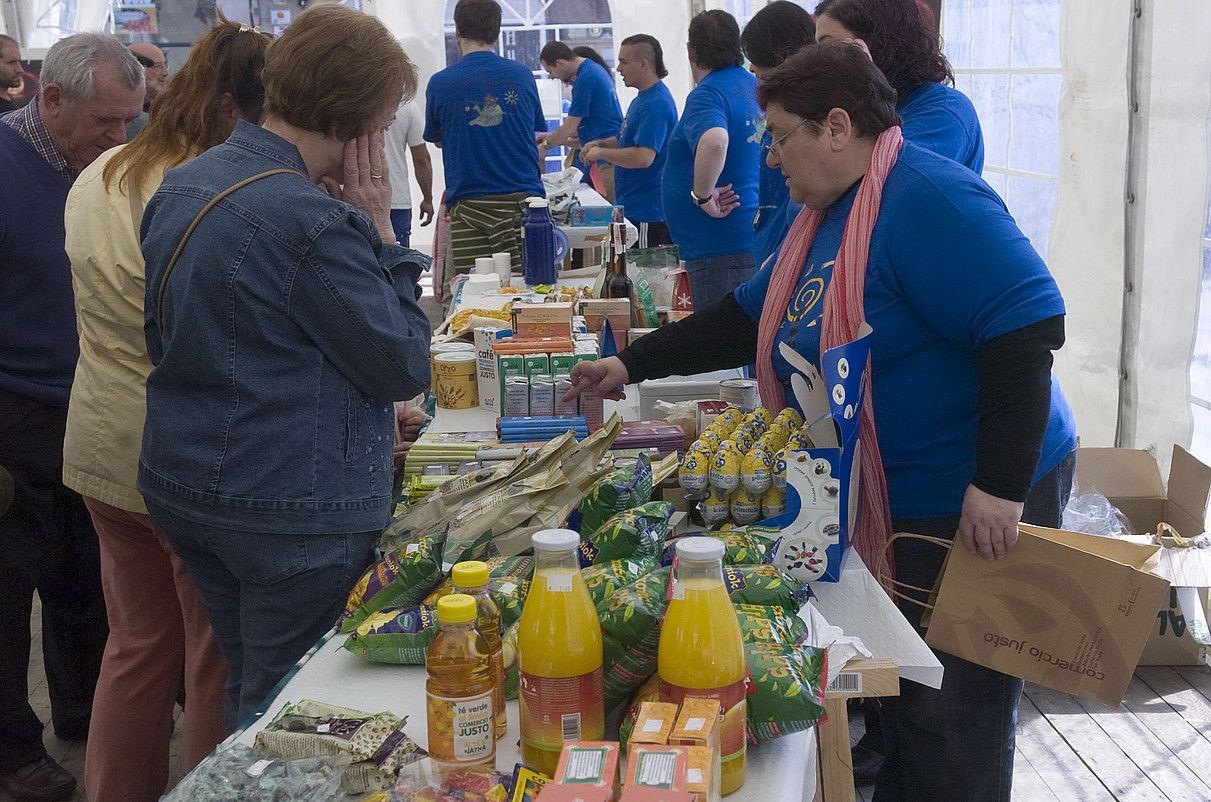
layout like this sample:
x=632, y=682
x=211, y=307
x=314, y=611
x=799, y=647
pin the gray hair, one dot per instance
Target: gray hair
x=8, y=40
x=72, y=62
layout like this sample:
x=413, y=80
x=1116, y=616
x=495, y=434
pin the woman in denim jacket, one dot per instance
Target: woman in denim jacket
x=281, y=331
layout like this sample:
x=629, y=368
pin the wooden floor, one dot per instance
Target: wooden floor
x=1156, y=747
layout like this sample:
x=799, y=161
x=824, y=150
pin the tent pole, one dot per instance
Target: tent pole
x=1125, y=430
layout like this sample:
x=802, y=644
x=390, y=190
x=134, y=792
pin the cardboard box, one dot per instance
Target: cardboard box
x=655, y=722
x=558, y=792
x=592, y=763
x=543, y=320
x=702, y=774
x=1066, y=610
x=656, y=766
x=1131, y=479
x=697, y=724
x=654, y=795
x=490, y=383
x=538, y=365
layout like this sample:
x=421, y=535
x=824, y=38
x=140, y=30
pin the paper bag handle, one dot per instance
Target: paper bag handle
x=885, y=580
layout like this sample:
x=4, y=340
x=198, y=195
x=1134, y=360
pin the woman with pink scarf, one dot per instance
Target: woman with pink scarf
x=965, y=432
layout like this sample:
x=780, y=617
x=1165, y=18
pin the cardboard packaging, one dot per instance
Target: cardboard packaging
x=822, y=482
x=702, y=774
x=558, y=792
x=490, y=382
x=1066, y=610
x=616, y=310
x=588, y=763
x=656, y=766
x=654, y=795
x=655, y=722
x=1131, y=479
x=543, y=320
x=697, y=723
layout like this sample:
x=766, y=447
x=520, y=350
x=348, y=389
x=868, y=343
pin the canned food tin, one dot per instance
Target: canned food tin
x=454, y=380
x=741, y=393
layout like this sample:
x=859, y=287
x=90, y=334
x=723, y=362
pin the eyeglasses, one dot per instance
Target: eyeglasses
x=777, y=143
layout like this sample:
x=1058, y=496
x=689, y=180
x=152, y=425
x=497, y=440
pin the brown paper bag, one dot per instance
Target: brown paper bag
x=1066, y=610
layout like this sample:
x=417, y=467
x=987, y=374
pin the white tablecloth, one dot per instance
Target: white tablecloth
x=782, y=770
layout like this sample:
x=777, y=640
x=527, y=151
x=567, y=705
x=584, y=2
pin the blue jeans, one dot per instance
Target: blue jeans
x=712, y=278
x=401, y=223
x=269, y=597
x=956, y=743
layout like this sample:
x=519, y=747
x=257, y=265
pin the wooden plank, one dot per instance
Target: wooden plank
x=1096, y=748
x=1028, y=785
x=1199, y=678
x=1167, y=684
x=1159, y=741
x=1050, y=755
x=867, y=677
x=836, y=763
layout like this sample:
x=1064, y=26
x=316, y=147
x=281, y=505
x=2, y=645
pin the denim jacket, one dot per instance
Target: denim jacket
x=287, y=330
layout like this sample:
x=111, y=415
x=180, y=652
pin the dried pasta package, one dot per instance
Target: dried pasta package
x=395, y=636
x=623, y=489
x=766, y=624
x=240, y=773
x=603, y=579
x=788, y=689
x=636, y=533
x=401, y=579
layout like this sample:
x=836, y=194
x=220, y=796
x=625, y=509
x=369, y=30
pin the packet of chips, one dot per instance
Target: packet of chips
x=761, y=623
x=635, y=533
x=623, y=489
x=788, y=689
x=742, y=547
x=395, y=636
x=401, y=579
x=603, y=579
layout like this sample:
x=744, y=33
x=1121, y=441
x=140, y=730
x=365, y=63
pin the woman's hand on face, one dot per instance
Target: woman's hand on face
x=989, y=525
x=603, y=376
x=366, y=182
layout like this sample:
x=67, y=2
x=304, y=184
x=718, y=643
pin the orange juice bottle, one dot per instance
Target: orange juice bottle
x=459, y=689
x=471, y=578
x=558, y=655
x=701, y=653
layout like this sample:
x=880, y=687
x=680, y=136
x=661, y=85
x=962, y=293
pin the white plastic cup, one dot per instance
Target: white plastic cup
x=484, y=266
x=503, y=263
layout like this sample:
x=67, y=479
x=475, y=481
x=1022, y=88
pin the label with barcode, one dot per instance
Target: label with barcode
x=845, y=683
x=571, y=726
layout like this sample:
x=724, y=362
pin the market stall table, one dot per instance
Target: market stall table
x=581, y=237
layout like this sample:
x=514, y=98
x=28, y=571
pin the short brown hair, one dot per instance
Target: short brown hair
x=334, y=70
x=835, y=75
x=715, y=37
x=477, y=20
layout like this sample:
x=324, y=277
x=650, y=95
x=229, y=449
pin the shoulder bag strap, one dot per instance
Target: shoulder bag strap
x=189, y=231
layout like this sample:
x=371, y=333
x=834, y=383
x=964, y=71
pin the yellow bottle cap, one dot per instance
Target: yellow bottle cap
x=470, y=574
x=457, y=608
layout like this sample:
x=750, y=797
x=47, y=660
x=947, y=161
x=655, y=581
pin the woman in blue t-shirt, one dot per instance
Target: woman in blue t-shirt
x=903, y=42
x=974, y=433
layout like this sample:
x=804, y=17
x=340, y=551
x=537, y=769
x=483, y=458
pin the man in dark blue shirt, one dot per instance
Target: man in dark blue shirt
x=483, y=112
x=638, y=152
x=594, y=114
x=92, y=88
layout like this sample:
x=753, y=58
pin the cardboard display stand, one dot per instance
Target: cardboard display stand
x=822, y=482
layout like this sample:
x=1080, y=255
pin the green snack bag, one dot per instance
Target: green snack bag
x=762, y=624
x=764, y=585
x=630, y=635
x=634, y=533
x=740, y=548
x=401, y=579
x=621, y=490
x=604, y=579
x=788, y=689
x=395, y=636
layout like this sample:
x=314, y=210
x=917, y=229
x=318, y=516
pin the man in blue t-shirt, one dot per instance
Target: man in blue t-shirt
x=483, y=112
x=593, y=115
x=710, y=179
x=638, y=152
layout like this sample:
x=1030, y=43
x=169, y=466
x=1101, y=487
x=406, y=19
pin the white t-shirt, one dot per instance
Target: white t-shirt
x=401, y=135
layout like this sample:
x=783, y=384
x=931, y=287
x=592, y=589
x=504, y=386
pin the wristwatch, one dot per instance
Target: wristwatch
x=698, y=200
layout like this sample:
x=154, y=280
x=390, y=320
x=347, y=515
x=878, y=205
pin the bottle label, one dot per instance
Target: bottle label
x=559, y=709
x=460, y=728
x=734, y=709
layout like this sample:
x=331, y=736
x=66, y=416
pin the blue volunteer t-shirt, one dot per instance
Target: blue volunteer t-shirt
x=595, y=102
x=948, y=271
x=775, y=210
x=724, y=99
x=648, y=124
x=942, y=119
x=484, y=111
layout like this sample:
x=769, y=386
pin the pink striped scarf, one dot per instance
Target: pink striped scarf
x=844, y=311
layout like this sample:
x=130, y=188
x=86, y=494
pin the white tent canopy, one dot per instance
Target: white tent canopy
x=1096, y=120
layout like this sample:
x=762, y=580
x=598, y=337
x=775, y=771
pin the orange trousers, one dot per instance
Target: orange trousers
x=157, y=626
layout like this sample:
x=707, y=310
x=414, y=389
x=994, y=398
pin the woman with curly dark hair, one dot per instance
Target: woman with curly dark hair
x=904, y=45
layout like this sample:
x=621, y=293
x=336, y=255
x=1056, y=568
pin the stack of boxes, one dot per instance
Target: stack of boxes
x=673, y=756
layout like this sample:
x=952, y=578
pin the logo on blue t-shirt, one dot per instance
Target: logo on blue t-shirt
x=489, y=114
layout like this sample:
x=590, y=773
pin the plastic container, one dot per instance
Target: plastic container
x=701, y=654
x=471, y=578
x=459, y=689
x=559, y=655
